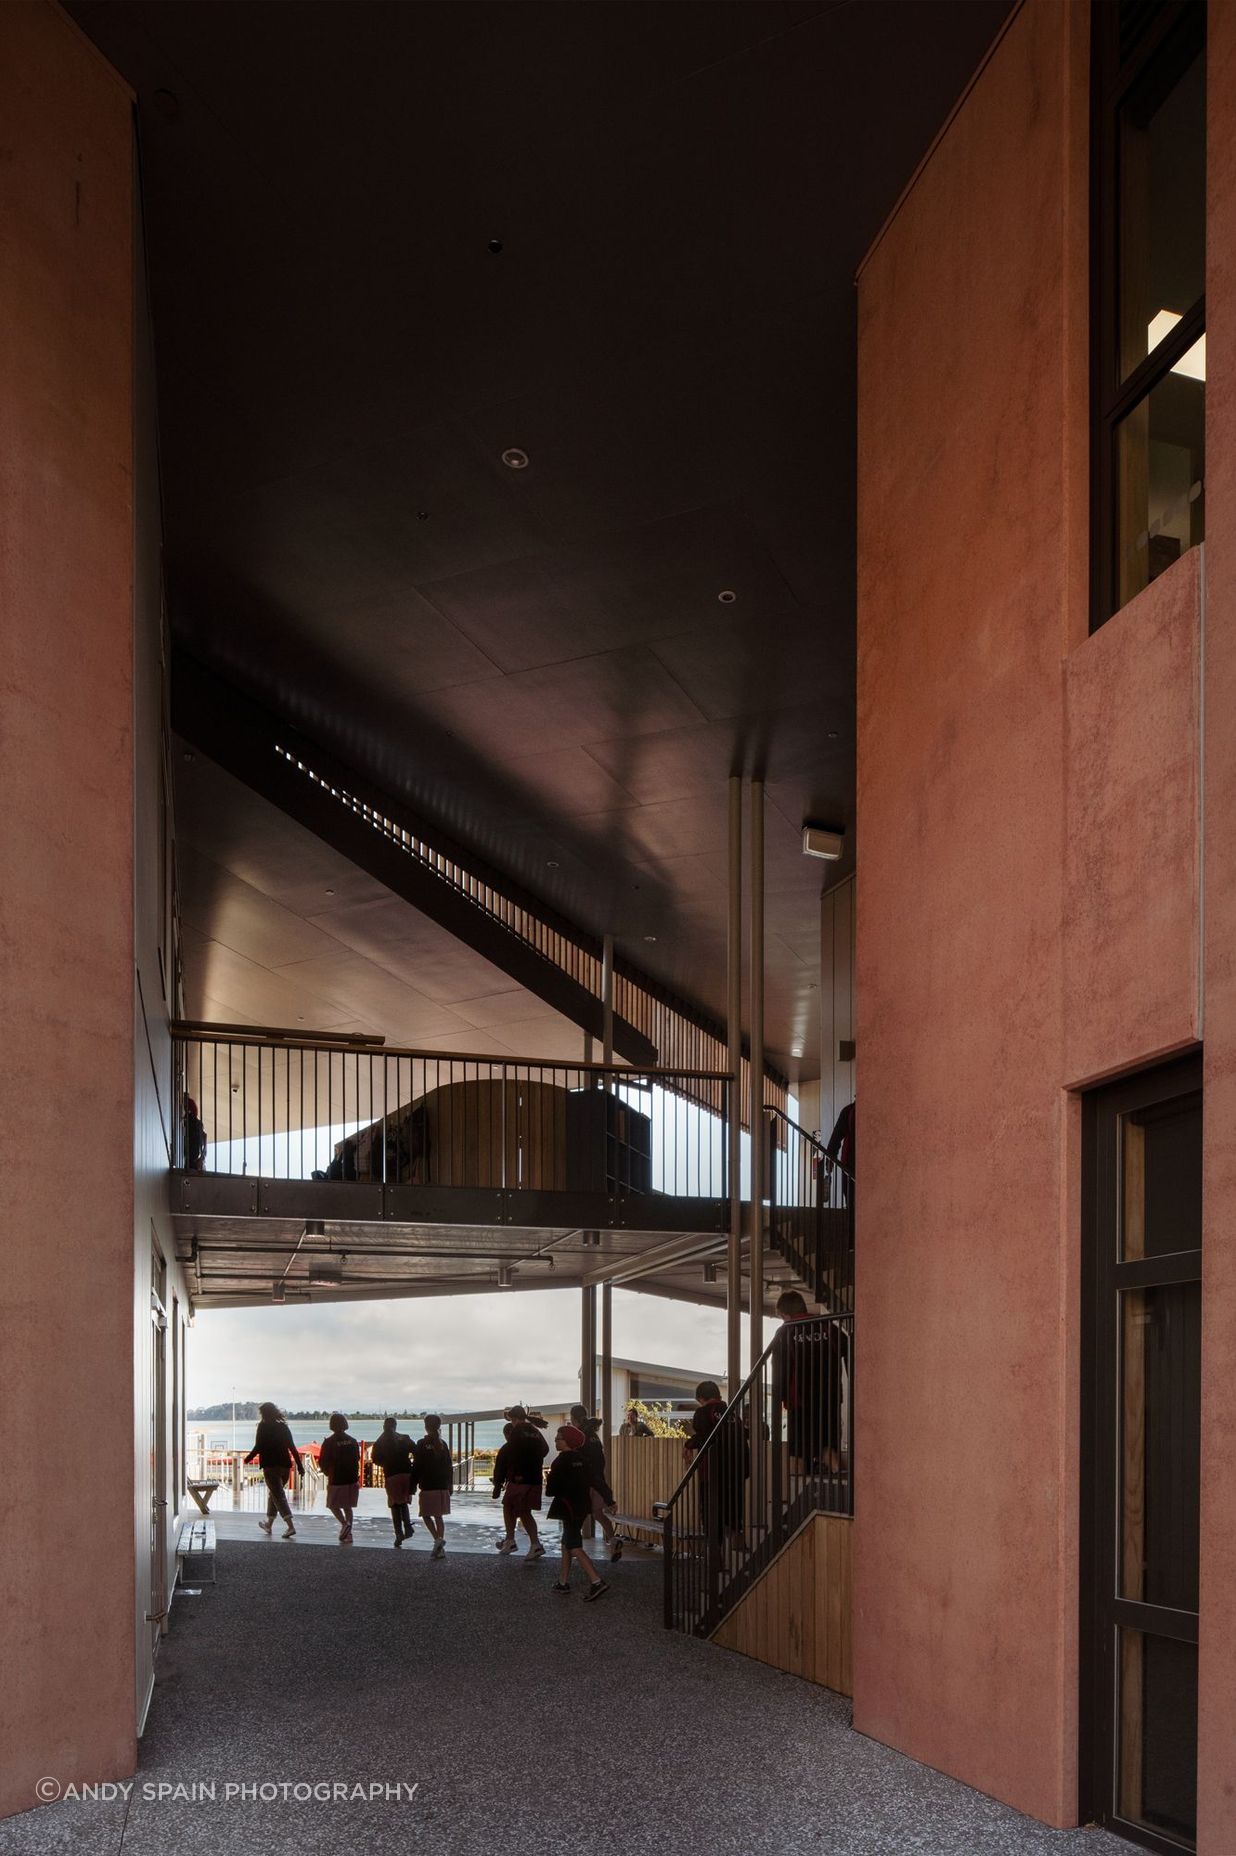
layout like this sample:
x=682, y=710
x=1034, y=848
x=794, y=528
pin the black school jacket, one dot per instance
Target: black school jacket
x=569, y=1485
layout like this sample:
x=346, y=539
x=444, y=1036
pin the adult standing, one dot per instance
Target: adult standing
x=434, y=1472
x=809, y=1356
x=633, y=1425
x=276, y=1452
x=339, y=1461
x=392, y=1452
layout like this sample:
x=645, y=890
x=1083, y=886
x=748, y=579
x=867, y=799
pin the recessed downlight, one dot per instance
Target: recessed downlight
x=650, y=938
x=515, y=459
x=727, y=596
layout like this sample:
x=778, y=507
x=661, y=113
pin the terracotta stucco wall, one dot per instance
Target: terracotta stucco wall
x=1217, y=1657
x=1027, y=918
x=66, y=954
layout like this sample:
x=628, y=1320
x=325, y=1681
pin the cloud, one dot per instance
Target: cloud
x=459, y=1353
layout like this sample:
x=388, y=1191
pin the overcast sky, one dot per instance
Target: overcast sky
x=457, y=1353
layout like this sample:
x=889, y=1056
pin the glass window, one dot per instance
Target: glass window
x=1160, y=459
x=1149, y=306
x=1161, y=235
x=1161, y=1161
x=1157, y=1751
x=1160, y=1444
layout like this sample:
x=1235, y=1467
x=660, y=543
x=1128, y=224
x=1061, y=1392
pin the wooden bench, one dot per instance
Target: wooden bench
x=195, y=1550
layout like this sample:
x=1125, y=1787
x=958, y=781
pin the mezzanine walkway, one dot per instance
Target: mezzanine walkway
x=526, y=1721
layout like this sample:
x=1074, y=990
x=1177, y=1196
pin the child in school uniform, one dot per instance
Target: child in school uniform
x=518, y=1480
x=433, y=1471
x=570, y=1490
x=339, y=1461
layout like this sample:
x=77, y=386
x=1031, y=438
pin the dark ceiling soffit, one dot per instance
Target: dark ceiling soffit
x=241, y=737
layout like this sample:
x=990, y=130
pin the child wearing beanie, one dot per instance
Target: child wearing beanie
x=570, y=1490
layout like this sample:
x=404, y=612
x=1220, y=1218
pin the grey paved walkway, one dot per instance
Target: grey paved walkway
x=526, y=1721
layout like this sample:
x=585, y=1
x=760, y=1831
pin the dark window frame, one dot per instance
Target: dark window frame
x=1177, y=31
x=1103, y=1276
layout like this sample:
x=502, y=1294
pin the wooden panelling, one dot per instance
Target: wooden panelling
x=644, y=1470
x=797, y=1615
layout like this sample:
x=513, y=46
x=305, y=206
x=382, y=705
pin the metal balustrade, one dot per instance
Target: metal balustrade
x=810, y=1212
x=780, y=1452
x=272, y=1108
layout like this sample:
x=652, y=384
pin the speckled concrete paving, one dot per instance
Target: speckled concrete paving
x=527, y=1722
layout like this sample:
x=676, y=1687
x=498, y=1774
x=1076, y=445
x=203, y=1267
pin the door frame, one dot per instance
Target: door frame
x=1098, y=1456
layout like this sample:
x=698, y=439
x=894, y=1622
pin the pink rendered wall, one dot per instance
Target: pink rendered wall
x=1027, y=919
x=1217, y=1655
x=66, y=953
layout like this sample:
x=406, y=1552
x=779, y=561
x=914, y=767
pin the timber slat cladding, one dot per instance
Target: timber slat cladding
x=644, y=1470
x=797, y=1615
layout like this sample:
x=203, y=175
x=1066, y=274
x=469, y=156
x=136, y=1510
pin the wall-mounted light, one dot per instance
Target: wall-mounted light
x=278, y=1291
x=823, y=841
x=506, y=1275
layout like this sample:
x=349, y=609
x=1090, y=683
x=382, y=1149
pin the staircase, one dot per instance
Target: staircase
x=780, y=1454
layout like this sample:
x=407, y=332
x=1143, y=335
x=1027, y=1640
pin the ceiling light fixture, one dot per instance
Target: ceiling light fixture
x=505, y=1275
x=823, y=841
x=551, y=863
x=515, y=459
x=494, y=247
x=278, y=1291
x=650, y=938
x=727, y=596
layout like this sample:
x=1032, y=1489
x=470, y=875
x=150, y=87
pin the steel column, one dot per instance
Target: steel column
x=607, y=1363
x=758, y=1150
x=588, y=1349
x=733, y=1273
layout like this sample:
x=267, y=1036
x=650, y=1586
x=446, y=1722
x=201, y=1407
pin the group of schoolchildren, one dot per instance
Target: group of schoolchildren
x=576, y=1484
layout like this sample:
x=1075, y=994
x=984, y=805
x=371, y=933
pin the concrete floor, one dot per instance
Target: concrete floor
x=524, y=1720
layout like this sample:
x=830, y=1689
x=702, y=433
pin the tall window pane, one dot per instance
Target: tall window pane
x=1160, y=454
x=1162, y=227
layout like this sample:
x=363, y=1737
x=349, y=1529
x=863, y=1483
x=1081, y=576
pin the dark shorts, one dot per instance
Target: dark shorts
x=572, y=1533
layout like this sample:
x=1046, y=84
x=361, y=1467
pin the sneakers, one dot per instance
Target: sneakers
x=536, y=1552
x=439, y=1550
x=289, y=1532
x=345, y=1534
x=506, y=1546
x=266, y=1526
x=558, y=1586
x=596, y=1591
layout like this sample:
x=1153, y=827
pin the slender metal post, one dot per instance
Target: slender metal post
x=733, y=1274
x=756, y=1247
x=588, y=1348
x=607, y=1363
x=607, y=999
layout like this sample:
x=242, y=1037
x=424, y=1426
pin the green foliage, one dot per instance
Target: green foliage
x=658, y=1418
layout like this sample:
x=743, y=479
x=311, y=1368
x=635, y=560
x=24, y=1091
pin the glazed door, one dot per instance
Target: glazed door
x=1142, y=1456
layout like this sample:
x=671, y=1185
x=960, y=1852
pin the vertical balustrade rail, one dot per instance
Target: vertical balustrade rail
x=781, y=1451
